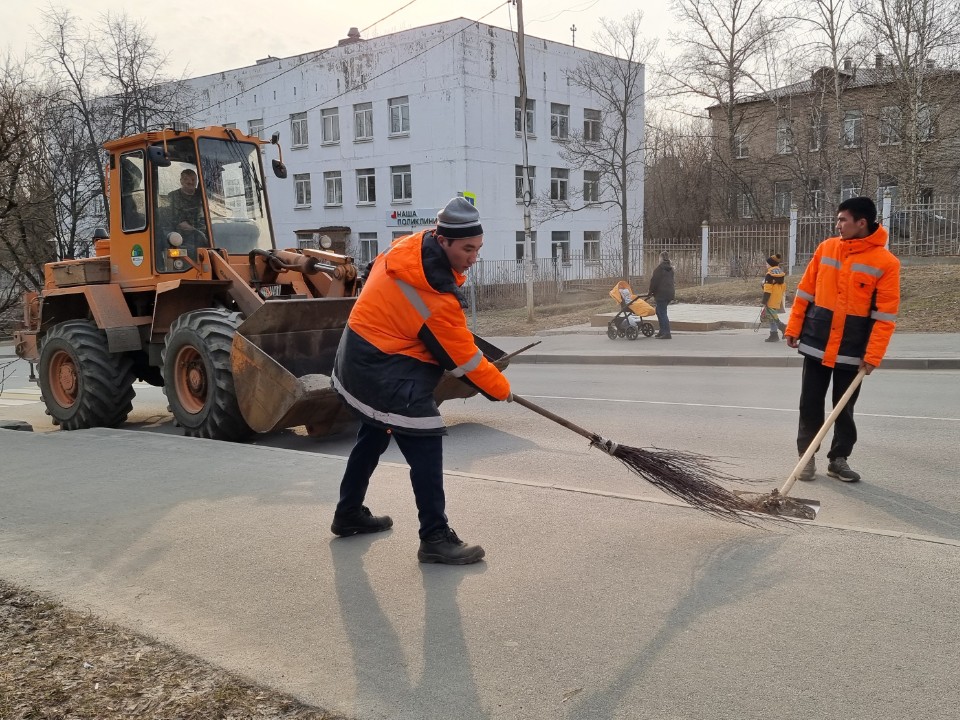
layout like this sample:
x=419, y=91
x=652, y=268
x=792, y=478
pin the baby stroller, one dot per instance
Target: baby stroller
x=627, y=323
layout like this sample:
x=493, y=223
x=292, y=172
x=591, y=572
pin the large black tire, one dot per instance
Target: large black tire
x=198, y=375
x=83, y=384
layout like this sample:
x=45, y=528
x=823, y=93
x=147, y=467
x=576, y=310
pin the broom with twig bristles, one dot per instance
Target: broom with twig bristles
x=686, y=476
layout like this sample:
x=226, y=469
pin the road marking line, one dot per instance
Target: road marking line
x=6, y=402
x=730, y=407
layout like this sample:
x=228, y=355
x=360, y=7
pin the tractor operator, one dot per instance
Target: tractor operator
x=406, y=328
x=186, y=208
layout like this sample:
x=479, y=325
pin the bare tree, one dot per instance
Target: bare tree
x=26, y=213
x=916, y=43
x=677, y=178
x=608, y=146
x=726, y=47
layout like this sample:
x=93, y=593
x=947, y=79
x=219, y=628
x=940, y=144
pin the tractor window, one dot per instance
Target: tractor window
x=236, y=197
x=133, y=217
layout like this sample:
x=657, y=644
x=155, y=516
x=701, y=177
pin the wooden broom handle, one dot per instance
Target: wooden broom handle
x=556, y=418
x=815, y=443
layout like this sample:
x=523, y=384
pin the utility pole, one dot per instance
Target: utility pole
x=529, y=262
x=573, y=38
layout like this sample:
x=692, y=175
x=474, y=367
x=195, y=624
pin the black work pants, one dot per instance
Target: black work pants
x=813, y=393
x=424, y=455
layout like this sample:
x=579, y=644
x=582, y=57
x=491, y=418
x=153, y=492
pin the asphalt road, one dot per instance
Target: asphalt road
x=744, y=418
x=591, y=604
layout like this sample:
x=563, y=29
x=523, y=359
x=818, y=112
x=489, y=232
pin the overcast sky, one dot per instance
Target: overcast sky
x=207, y=36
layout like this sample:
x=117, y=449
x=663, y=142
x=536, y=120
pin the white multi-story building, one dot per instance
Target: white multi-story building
x=379, y=134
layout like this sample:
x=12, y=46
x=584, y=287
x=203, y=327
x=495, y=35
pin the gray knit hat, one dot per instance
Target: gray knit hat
x=459, y=219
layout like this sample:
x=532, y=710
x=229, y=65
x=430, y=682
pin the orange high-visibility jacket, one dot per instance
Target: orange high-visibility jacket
x=406, y=328
x=847, y=301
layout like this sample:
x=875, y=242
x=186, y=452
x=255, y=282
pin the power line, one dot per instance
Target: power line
x=317, y=54
x=399, y=64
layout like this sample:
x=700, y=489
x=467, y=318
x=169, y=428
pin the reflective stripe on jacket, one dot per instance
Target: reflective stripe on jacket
x=406, y=328
x=846, y=304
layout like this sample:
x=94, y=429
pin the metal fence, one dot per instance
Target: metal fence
x=724, y=250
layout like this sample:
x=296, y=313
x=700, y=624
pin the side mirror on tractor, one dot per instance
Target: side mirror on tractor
x=279, y=169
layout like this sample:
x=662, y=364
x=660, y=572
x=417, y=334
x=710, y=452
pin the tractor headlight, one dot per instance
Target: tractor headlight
x=175, y=239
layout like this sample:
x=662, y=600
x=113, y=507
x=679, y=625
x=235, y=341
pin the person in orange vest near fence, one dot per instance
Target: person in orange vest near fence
x=406, y=328
x=842, y=319
x=774, y=287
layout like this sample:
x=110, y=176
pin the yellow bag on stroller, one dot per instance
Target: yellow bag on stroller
x=627, y=323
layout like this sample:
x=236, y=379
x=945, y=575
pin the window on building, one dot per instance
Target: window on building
x=559, y=177
x=255, y=128
x=849, y=187
x=363, y=121
x=852, y=128
x=559, y=121
x=398, y=234
x=926, y=196
x=331, y=125
x=926, y=122
x=369, y=248
x=888, y=184
x=399, y=115
x=891, y=122
x=591, y=186
x=401, y=181
x=230, y=125
x=133, y=199
x=560, y=245
x=301, y=189
x=818, y=129
x=532, y=176
x=333, y=188
x=781, y=198
x=366, y=187
x=784, y=137
x=744, y=205
x=531, y=115
x=591, y=246
x=298, y=130
x=533, y=244
x=815, y=196
x=740, y=149
x=592, y=124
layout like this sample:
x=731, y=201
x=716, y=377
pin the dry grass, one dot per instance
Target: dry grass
x=930, y=302
x=56, y=663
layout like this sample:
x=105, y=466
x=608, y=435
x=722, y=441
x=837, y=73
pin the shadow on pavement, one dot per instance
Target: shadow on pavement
x=384, y=682
x=725, y=576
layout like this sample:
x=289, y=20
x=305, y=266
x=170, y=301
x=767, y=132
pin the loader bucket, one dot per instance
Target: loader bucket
x=282, y=360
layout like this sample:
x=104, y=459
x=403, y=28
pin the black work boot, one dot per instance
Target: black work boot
x=359, y=521
x=839, y=469
x=443, y=546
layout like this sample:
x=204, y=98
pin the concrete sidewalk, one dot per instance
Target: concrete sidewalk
x=589, y=605
x=717, y=335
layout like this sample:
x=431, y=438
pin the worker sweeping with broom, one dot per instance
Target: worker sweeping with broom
x=841, y=322
x=406, y=328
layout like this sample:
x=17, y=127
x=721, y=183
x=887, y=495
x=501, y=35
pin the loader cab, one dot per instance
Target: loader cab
x=207, y=193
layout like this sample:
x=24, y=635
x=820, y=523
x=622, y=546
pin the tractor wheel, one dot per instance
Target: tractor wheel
x=633, y=332
x=83, y=384
x=647, y=329
x=198, y=375
x=611, y=331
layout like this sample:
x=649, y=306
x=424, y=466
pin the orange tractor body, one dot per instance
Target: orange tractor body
x=189, y=292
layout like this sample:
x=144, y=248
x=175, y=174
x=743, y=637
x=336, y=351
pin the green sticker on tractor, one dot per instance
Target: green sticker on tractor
x=136, y=256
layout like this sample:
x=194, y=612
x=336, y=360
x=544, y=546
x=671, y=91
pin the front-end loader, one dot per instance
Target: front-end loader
x=190, y=293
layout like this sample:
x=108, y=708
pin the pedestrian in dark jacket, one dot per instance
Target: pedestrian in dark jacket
x=408, y=327
x=663, y=290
